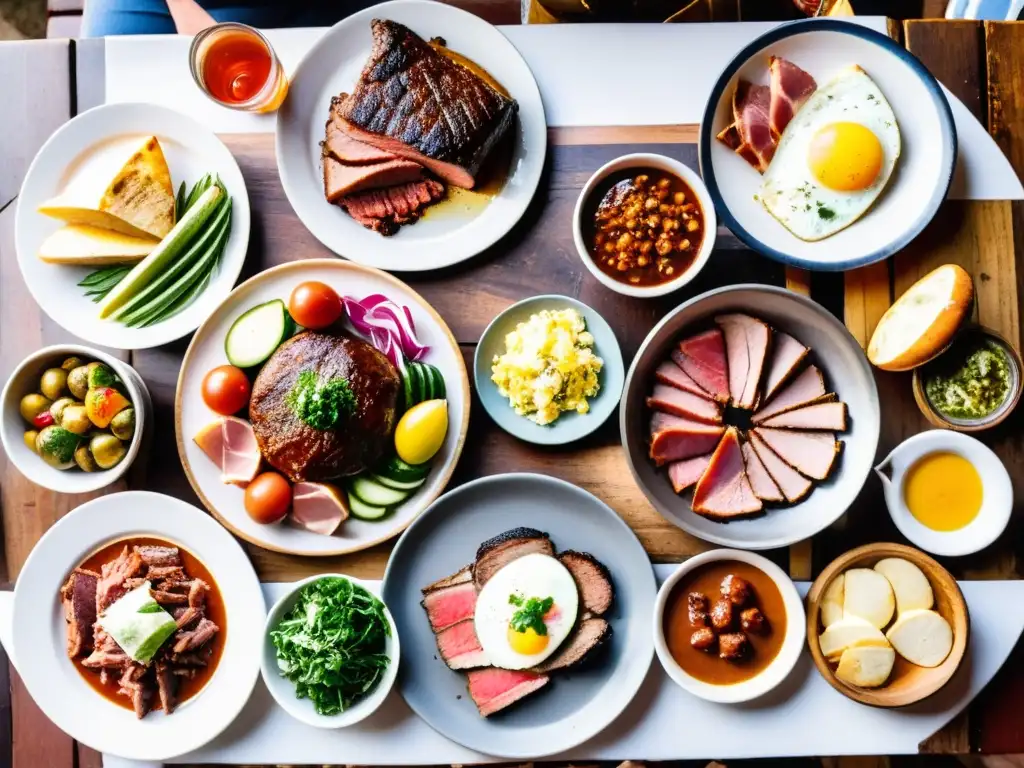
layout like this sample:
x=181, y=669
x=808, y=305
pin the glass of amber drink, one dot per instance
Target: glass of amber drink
x=236, y=66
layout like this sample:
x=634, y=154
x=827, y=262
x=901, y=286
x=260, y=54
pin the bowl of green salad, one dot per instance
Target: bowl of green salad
x=331, y=651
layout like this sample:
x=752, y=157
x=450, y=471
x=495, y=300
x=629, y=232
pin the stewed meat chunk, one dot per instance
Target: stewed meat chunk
x=703, y=639
x=697, y=606
x=753, y=621
x=722, y=615
x=733, y=646
x=737, y=590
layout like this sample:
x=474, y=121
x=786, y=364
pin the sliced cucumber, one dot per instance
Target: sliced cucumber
x=376, y=494
x=422, y=381
x=398, y=485
x=397, y=470
x=363, y=511
x=255, y=335
x=438, y=391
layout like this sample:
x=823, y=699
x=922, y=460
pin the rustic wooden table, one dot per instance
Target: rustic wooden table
x=45, y=83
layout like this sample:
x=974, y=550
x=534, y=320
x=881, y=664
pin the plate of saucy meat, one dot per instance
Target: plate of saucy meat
x=151, y=641
x=413, y=136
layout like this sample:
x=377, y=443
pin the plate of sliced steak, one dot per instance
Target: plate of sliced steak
x=408, y=123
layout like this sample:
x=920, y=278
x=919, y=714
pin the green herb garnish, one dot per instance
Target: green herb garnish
x=530, y=614
x=321, y=405
x=332, y=644
x=824, y=212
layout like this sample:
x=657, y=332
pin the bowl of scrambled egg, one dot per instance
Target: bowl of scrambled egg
x=549, y=370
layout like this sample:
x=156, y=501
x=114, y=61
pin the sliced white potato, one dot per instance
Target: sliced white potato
x=922, y=637
x=848, y=633
x=832, y=601
x=866, y=666
x=909, y=584
x=868, y=595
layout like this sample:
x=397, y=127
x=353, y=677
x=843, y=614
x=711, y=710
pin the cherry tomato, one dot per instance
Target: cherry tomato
x=226, y=390
x=268, y=497
x=314, y=305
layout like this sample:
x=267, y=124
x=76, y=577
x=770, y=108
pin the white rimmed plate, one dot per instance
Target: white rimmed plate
x=207, y=351
x=919, y=183
x=40, y=639
x=102, y=138
x=442, y=237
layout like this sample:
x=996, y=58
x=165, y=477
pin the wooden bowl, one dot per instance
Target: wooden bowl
x=908, y=683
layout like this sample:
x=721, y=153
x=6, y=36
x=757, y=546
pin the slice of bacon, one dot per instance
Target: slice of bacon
x=790, y=87
x=751, y=106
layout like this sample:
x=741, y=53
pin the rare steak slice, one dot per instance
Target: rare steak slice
x=493, y=689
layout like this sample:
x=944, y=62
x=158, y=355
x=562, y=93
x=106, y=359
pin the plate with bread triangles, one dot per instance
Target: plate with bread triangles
x=132, y=225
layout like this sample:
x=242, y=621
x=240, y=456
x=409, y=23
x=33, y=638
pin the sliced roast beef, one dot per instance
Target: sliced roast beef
x=493, y=689
x=110, y=586
x=593, y=581
x=449, y=605
x=824, y=415
x=793, y=485
x=787, y=356
x=459, y=577
x=459, y=646
x=808, y=387
x=494, y=554
x=78, y=596
x=674, y=438
x=415, y=102
x=746, y=344
x=341, y=179
x=686, y=404
x=583, y=644
x=812, y=454
x=760, y=480
x=790, y=87
x=723, y=492
x=685, y=474
x=673, y=375
x=704, y=360
x=385, y=210
x=345, y=149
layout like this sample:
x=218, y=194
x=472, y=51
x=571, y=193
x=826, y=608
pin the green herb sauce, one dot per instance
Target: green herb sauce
x=970, y=382
x=321, y=404
x=530, y=614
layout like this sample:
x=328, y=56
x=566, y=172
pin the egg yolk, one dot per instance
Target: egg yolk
x=527, y=643
x=845, y=156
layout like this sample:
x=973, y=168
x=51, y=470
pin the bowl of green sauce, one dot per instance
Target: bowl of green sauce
x=973, y=385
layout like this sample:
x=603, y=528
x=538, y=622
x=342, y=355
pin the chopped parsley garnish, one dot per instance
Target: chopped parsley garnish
x=530, y=614
x=824, y=212
x=319, y=404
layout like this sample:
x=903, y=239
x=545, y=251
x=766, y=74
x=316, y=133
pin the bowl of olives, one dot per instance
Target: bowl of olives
x=73, y=418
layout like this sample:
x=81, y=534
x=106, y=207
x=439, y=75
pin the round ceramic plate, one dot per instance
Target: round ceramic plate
x=569, y=426
x=576, y=705
x=207, y=351
x=445, y=235
x=40, y=638
x=846, y=373
x=95, y=143
x=923, y=172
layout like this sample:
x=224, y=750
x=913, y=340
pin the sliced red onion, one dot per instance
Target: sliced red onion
x=389, y=326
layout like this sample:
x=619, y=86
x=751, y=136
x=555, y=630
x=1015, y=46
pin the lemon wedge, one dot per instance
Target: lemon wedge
x=420, y=432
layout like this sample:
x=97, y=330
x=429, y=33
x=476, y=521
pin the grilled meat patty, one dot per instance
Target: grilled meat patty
x=358, y=441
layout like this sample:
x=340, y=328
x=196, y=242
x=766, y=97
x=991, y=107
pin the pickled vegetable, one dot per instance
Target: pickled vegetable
x=53, y=382
x=84, y=459
x=106, y=450
x=75, y=419
x=57, y=447
x=101, y=376
x=32, y=405
x=71, y=363
x=57, y=409
x=78, y=381
x=103, y=403
x=123, y=424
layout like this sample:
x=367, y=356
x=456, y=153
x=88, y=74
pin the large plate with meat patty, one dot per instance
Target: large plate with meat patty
x=460, y=126
x=493, y=524
x=207, y=351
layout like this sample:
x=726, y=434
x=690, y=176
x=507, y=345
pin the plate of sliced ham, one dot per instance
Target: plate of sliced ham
x=750, y=417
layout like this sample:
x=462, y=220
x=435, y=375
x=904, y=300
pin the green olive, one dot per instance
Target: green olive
x=57, y=409
x=75, y=419
x=78, y=381
x=57, y=447
x=71, y=363
x=53, y=382
x=123, y=424
x=30, y=439
x=32, y=405
x=106, y=450
x=84, y=459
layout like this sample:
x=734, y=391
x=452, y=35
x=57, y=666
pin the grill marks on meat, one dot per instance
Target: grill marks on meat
x=359, y=441
x=494, y=554
x=385, y=210
x=593, y=581
x=78, y=596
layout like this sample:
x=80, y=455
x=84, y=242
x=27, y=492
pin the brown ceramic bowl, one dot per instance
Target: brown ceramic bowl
x=908, y=683
x=986, y=422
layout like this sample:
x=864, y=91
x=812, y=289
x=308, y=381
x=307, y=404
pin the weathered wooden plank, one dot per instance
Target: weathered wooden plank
x=37, y=742
x=801, y=554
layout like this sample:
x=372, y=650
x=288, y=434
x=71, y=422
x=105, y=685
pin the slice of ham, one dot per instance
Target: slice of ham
x=812, y=454
x=685, y=474
x=686, y=404
x=459, y=646
x=230, y=443
x=672, y=374
x=494, y=689
x=806, y=388
x=790, y=87
x=318, y=507
x=793, y=485
x=746, y=344
x=787, y=356
x=751, y=109
x=674, y=438
x=723, y=492
x=760, y=480
x=829, y=416
x=703, y=359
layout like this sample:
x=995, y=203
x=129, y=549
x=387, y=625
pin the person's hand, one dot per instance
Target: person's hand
x=189, y=17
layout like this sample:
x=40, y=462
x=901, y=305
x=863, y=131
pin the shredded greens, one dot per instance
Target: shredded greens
x=321, y=404
x=331, y=644
x=530, y=614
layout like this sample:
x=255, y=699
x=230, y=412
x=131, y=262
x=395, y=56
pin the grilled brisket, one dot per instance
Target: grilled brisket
x=341, y=179
x=385, y=210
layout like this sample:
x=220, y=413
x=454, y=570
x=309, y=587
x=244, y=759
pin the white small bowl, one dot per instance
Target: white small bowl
x=283, y=690
x=661, y=163
x=770, y=676
x=997, y=493
x=25, y=380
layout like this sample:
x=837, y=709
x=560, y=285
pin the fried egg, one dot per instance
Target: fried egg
x=525, y=611
x=834, y=158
